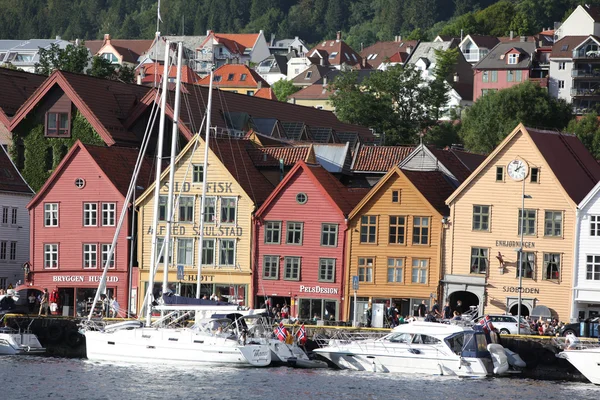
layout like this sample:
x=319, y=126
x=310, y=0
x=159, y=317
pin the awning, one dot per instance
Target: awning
x=587, y=296
x=541, y=311
x=27, y=287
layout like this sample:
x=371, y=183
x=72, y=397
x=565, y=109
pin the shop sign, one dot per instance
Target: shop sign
x=514, y=243
x=515, y=289
x=211, y=187
x=318, y=289
x=209, y=231
x=194, y=278
x=81, y=278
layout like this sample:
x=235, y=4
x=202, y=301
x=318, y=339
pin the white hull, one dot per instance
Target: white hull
x=20, y=343
x=380, y=357
x=172, y=346
x=587, y=361
x=291, y=355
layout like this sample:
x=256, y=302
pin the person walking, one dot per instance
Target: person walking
x=447, y=311
x=422, y=309
x=44, y=303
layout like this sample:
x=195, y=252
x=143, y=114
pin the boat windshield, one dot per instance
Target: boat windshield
x=467, y=344
x=411, y=338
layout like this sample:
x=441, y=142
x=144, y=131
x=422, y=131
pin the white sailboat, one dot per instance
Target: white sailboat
x=16, y=342
x=586, y=359
x=159, y=341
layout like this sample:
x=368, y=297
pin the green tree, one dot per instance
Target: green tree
x=102, y=68
x=284, y=89
x=70, y=59
x=494, y=115
x=445, y=66
x=442, y=135
x=587, y=130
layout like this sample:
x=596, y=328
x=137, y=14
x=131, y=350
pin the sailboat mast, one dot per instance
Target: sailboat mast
x=174, y=136
x=204, y=176
x=159, y=148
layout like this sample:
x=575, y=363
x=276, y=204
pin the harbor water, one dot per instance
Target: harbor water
x=57, y=378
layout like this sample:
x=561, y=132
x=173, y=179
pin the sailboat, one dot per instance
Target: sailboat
x=164, y=341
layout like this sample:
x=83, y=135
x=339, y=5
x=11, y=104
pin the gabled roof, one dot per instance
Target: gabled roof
x=272, y=156
x=334, y=157
x=313, y=92
x=311, y=75
x=589, y=197
x=569, y=161
x=593, y=11
x=265, y=93
x=104, y=103
x=336, y=52
x=379, y=158
x=116, y=163
x=454, y=160
x=16, y=86
x=234, y=75
x=236, y=43
x=432, y=186
x=385, y=51
x=426, y=51
x=342, y=197
x=565, y=46
x=153, y=73
x=482, y=41
x=497, y=59
x=130, y=49
x=10, y=179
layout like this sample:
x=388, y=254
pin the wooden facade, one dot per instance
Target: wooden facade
x=483, y=238
x=226, y=269
x=395, y=259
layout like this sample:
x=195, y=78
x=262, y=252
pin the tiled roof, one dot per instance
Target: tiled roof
x=270, y=156
x=17, y=86
x=345, y=198
x=351, y=137
x=234, y=75
x=337, y=52
x=484, y=41
x=151, y=74
x=593, y=11
x=10, y=179
x=382, y=51
x=265, y=93
x=434, y=186
x=498, y=59
x=118, y=164
x=322, y=134
x=313, y=92
x=575, y=168
x=245, y=39
x=293, y=129
x=131, y=50
x=311, y=75
x=234, y=155
x=379, y=158
x=470, y=160
x=455, y=165
x=565, y=46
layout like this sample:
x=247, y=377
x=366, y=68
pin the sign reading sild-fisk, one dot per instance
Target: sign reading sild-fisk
x=211, y=187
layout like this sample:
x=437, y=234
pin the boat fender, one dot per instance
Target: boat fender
x=514, y=360
x=55, y=333
x=499, y=358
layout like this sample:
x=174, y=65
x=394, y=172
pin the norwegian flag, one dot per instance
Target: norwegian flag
x=301, y=334
x=281, y=332
x=486, y=322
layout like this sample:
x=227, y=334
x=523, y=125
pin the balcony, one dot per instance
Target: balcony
x=580, y=73
x=580, y=92
x=474, y=56
x=587, y=54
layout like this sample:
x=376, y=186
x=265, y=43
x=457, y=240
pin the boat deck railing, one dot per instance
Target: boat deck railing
x=579, y=344
x=341, y=337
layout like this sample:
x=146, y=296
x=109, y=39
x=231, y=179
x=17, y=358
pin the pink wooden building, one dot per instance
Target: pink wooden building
x=300, y=242
x=73, y=219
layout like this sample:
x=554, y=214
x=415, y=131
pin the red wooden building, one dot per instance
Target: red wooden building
x=73, y=219
x=299, y=250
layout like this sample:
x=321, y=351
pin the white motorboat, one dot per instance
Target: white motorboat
x=420, y=347
x=586, y=360
x=14, y=342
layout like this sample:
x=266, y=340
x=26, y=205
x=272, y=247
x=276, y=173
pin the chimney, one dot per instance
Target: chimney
x=364, y=63
x=107, y=37
x=322, y=61
x=139, y=79
x=259, y=85
x=523, y=39
x=511, y=34
x=456, y=77
x=325, y=81
x=338, y=36
x=272, y=39
x=58, y=38
x=77, y=42
x=408, y=49
x=208, y=32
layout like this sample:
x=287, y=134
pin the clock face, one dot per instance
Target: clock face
x=517, y=170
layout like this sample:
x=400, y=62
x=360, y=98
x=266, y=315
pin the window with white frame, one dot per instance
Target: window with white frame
x=210, y=209
x=551, y=266
x=185, y=251
x=51, y=214
x=593, y=267
x=561, y=84
x=186, y=208
x=513, y=58
x=13, y=219
x=90, y=214
x=561, y=65
x=208, y=251
x=108, y=214
x=329, y=234
x=5, y=211
x=326, y=269
x=294, y=232
x=272, y=232
x=3, y=247
x=527, y=265
x=90, y=255
x=13, y=251
x=162, y=208
x=51, y=256
x=227, y=252
x=365, y=269
x=105, y=251
x=271, y=267
x=292, y=269
x=419, y=270
x=228, y=210
x=594, y=225
x=395, y=270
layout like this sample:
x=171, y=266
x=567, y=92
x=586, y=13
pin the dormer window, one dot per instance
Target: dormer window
x=243, y=77
x=58, y=124
x=333, y=55
x=513, y=58
x=230, y=77
x=217, y=78
x=308, y=75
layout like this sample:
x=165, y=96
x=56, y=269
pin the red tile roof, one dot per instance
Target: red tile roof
x=387, y=51
x=574, y=166
x=568, y=43
x=379, y=158
x=245, y=39
x=434, y=186
x=313, y=92
x=270, y=156
x=151, y=74
x=336, y=52
x=10, y=178
x=234, y=75
x=130, y=49
x=265, y=93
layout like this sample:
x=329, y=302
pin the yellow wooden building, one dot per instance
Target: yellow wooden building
x=395, y=236
x=235, y=189
x=547, y=172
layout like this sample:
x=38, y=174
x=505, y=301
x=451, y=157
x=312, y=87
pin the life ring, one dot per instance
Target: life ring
x=54, y=333
x=74, y=338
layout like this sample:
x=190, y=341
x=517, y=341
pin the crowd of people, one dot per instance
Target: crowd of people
x=545, y=328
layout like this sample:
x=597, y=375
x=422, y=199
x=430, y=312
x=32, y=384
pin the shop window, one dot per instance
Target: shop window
x=365, y=269
x=419, y=271
x=527, y=223
x=327, y=270
x=527, y=265
x=208, y=251
x=368, y=229
x=551, y=266
x=481, y=218
x=292, y=268
x=397, y=229
x=553, y=223
x=228, y=210
x=479, y=260
x=272, y=232
x=51, y=214
x=227, y=252
x=294, y=232
x=90, y=214
x=593, y=268
x=395, y=270
x=186, y=208
x=420, y=230
x=329, y=233
x=57, y=124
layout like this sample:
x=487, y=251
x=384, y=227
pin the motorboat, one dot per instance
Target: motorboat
x=15, y=342
x=586, y=359
x=420, y=347
x=206, y=342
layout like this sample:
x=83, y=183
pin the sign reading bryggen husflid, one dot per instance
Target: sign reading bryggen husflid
x=226, y=244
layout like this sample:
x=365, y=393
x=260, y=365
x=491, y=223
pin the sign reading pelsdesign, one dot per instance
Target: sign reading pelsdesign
x=318, y=289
